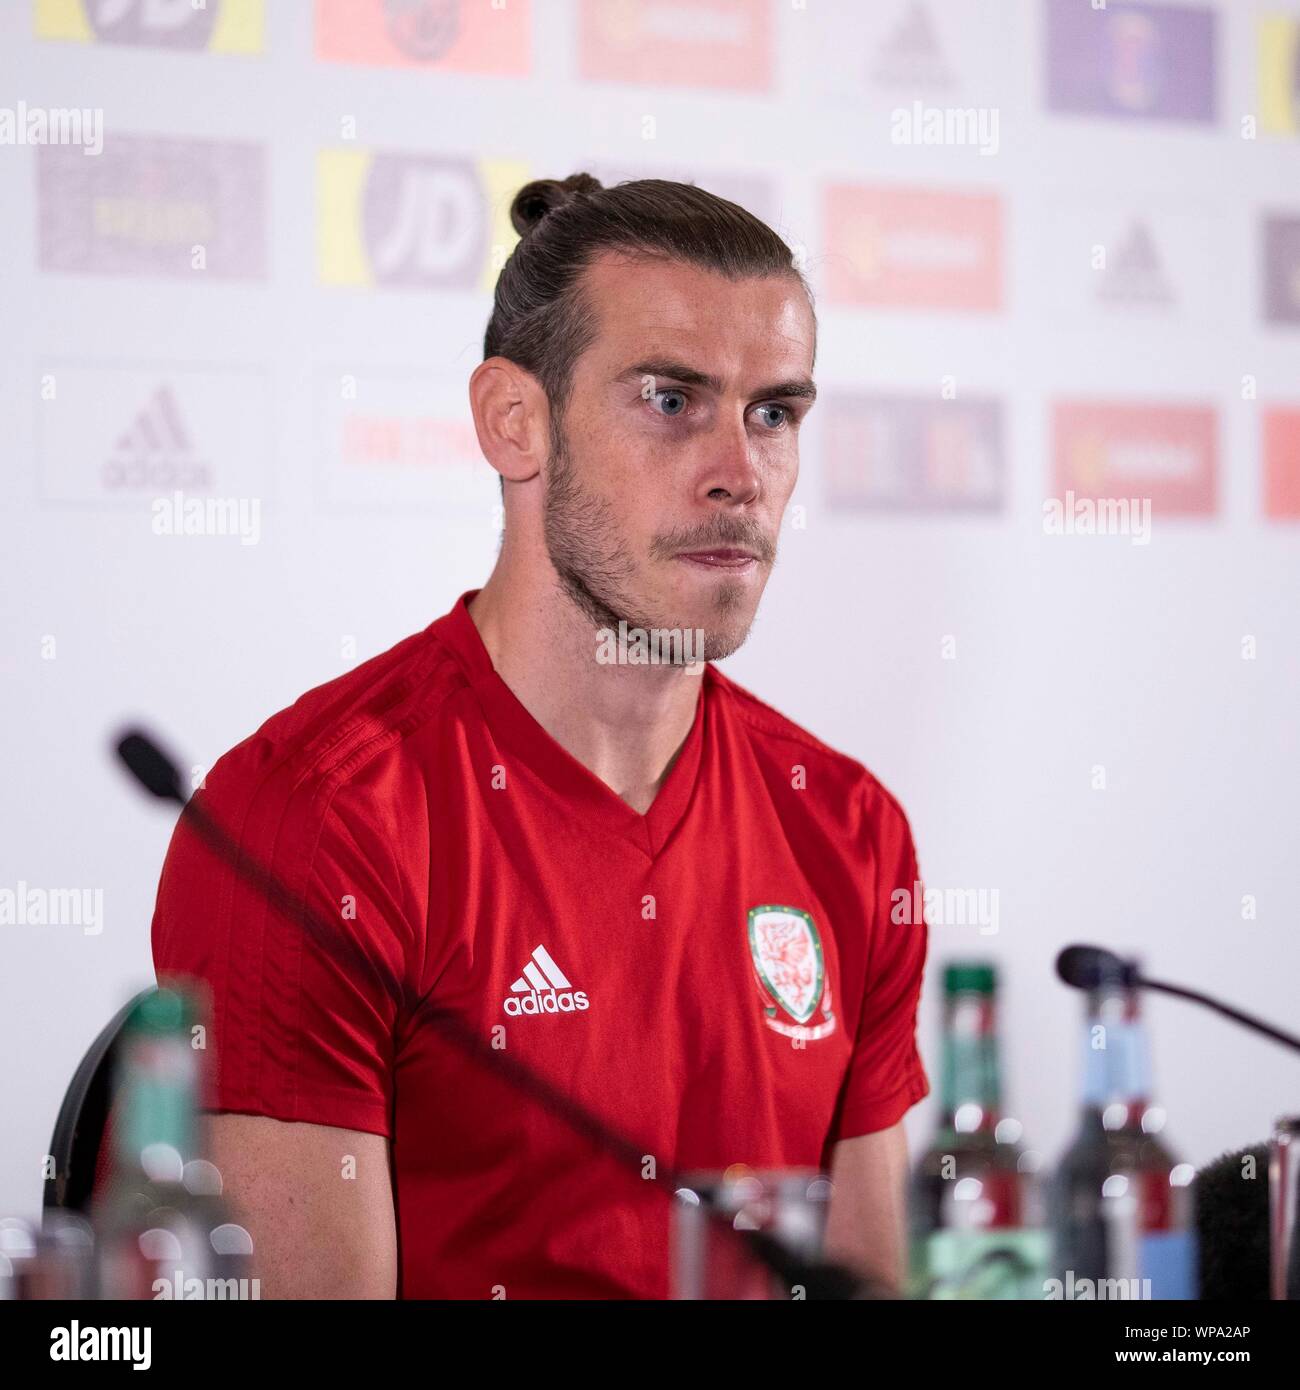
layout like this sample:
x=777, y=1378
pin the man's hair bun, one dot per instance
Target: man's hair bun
x=534, y=200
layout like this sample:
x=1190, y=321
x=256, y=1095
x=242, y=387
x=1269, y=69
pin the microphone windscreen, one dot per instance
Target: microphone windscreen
x=150, y=766
x=1090, y=967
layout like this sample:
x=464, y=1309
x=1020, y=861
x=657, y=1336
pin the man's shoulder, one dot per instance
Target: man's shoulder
x=323, y=741
x=834, y=777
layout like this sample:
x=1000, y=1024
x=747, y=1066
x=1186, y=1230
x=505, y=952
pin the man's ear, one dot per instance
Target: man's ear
x=511, y=418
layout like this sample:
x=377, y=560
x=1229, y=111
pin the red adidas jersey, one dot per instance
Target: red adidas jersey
x=719, y=979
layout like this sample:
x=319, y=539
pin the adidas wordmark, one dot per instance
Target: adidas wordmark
x=543, y=988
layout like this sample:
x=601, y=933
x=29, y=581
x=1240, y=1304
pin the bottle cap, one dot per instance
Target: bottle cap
x=161, y=1011
x=970, y=976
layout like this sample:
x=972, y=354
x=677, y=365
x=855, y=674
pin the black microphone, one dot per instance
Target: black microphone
x=150, y=766
x=1090, y=967
x=820, y=1279
x=1094, y=967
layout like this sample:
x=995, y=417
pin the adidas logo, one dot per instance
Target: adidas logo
x=155, y=451
x=543, y=989
x=1137, y=276
x=157, y=428
x=912, y=55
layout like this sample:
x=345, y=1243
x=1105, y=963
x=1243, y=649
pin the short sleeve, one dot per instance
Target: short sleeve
x=302, y=994
x=885, y=1076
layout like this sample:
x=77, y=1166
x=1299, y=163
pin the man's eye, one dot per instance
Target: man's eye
x=674, y=402
x=783, y=415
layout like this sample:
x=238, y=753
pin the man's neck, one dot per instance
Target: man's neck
x=624, y=723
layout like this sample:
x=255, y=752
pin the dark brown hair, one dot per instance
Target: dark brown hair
x=540, y=318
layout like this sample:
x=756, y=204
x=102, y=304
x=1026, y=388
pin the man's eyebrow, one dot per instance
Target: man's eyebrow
x=796, y=389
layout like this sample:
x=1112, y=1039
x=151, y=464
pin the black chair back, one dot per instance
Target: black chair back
x=83, y=1117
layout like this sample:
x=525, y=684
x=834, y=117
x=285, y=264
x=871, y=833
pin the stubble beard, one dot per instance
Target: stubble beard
x=591, y=563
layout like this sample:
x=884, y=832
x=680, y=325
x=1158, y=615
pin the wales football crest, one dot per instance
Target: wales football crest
x=787, y=953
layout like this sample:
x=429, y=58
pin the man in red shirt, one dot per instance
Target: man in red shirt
x=630, y=876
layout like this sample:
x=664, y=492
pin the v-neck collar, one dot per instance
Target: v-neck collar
x=582, y=792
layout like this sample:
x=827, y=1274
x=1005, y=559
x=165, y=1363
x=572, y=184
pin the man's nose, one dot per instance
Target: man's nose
x=732, y=473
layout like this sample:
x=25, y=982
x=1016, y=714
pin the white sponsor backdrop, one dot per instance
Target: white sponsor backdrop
x=341, y=408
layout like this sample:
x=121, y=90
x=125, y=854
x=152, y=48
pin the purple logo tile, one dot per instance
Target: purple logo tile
x=424, y=221
x=1130, y=60
x=154, y=205
x=886, y=452
x=1281, y=269
x=155, y=23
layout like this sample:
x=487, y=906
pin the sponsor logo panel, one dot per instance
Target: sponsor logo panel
x=1105, y=259
x=1281, y=268
x=1282, y=463
x=398, y=439
x=154, y=205
x=721, y=44
x=1132, y=61
x=128, y=434
x=913, y=248
x=1279, y=73
x=451, y=35
x=893, y=52
x=912, y=53
x=217, y=26
x=892, y=452
x=413, y=221
x=1167, y=453
x=756, y=193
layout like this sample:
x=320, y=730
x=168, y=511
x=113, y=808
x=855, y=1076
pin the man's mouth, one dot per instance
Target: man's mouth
x=723, y=557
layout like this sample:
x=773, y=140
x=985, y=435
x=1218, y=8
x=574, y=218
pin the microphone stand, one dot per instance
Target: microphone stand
x=1092, y=967
x=1237, y=1015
